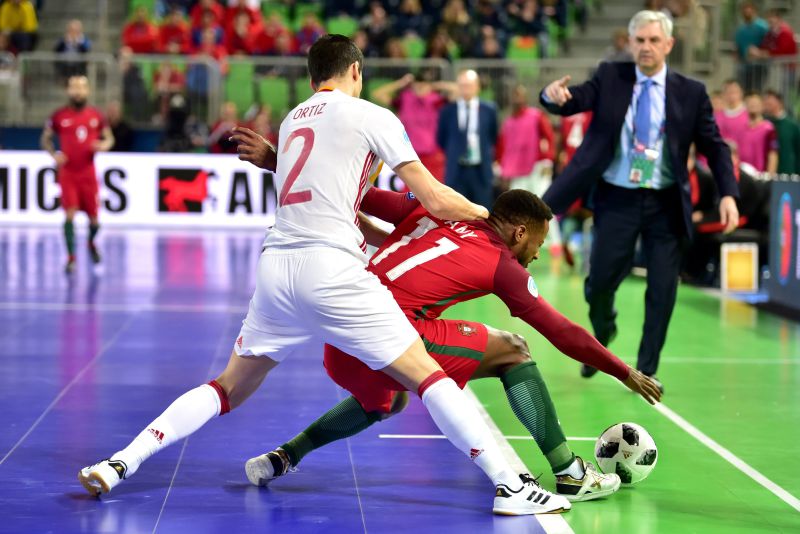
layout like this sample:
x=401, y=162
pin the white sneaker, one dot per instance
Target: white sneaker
x=263, y=469
x=528, y=500
x=593, y=485
x=103, y=476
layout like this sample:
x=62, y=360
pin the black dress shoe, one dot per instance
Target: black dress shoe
x=587, y=371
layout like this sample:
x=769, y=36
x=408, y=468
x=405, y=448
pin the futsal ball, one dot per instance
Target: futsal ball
x=627, y=450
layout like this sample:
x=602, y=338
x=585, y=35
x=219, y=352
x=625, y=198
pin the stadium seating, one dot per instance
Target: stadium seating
x=274, y=92
x=239, y=87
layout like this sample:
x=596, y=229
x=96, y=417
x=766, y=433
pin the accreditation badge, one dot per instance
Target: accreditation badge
x=643, y=164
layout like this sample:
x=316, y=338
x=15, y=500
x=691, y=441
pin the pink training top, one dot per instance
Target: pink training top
x=521, y=137
x=420, y=116
x=757, y=142
x=732, y=125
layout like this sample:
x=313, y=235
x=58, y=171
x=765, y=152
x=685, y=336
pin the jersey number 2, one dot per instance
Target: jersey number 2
x=297, y=197
x=424, y=225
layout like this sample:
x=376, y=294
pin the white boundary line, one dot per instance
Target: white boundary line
x=734, y=460
x=69, y=386
x=733, y=361
x=122, y=307
x=440, y=436
x=551, y=523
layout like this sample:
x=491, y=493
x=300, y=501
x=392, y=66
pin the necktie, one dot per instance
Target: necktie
x=642, y=119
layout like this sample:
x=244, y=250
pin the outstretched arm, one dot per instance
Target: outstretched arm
x=254, y=148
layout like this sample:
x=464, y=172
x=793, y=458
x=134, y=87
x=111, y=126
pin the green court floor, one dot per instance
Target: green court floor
x=729, y=370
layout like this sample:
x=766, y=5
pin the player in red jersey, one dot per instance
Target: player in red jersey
x=429, y=265
x=81, y=130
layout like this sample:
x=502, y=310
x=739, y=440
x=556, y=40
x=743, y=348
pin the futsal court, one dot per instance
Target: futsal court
x=86, y=362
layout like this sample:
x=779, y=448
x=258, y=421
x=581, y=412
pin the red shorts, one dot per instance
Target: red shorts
x=458, y=347
x=79, y=191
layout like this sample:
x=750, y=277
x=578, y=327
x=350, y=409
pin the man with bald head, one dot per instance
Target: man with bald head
x=633, y=163
x=467, y=134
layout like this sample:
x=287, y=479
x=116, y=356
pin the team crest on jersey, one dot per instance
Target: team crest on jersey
x=532, y=288
x=410, y=196
x=466, y=330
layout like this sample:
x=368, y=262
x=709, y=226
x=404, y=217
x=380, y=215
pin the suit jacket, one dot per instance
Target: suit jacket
x=689, y=119
x=453, y=141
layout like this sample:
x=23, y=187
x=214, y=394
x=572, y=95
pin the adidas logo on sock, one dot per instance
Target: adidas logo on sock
x=474, y=453
x=156, y=434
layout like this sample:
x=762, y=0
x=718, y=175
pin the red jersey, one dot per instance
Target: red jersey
x=429, y=265
x=573, y=130
x=77, y=132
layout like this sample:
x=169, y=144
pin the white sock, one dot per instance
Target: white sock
x=575, y=470
x=184, y=416
x=458, y=419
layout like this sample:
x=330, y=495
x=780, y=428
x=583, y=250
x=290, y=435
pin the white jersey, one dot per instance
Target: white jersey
x=329, y=148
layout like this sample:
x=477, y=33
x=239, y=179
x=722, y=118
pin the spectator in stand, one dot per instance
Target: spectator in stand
x=309, y=32
x=19, y=23
x=134, y=92
x=241, y=38
x=779, y=40
x=488, y=13
x=526, y=138
x=71, y=46
x=749, y=34
x=410, y=19
x=361, y=40
x=140, y=34
x=182, y=131
x=211, y=48
x=438, y=46
x=489, y=46
x=732, y=119
x=164, y=7
x=209, y=23
x=788, y=132
x=236, y=7
x=467, y=132
x=376, y=24
x=123, y=134
x=262, y=125
x=175, y=29
x=167, y=81
x=418, y=103
x=619, y=51
x=759, y=146
x=285, y=46
x=264, y=41
x=219, y=139
x=457, y=23
x=526, y=21
x=204, y=6
x=338, y=8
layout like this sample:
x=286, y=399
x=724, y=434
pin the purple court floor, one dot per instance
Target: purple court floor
x=87, y=361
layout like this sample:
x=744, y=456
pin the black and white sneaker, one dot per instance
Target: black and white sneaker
x=103, y=476
x=263, y=469
x=530, y=499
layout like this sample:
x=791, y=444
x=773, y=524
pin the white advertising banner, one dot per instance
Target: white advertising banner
x=188, y=190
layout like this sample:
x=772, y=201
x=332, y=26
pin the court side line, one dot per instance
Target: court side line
x=123, y=307
x=440, y=436
x=551, y=523
x=733, y=361
x=734, y=460
x=209, y=376
x=171, y=483
x=353, y=467
x=66, y=388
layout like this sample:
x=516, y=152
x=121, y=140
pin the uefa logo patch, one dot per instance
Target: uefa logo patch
x=532, y=289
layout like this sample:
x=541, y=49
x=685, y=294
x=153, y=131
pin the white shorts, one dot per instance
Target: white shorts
x=311, y=295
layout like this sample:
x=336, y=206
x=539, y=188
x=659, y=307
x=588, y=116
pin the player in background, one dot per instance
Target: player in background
x=312, y=285
x=463, y=261
x=81, y=130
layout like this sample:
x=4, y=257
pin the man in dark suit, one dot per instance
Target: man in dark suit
x=467, y=134
x=633, y=162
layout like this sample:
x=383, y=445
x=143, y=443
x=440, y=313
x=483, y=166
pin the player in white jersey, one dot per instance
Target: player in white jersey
x=312, y=285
